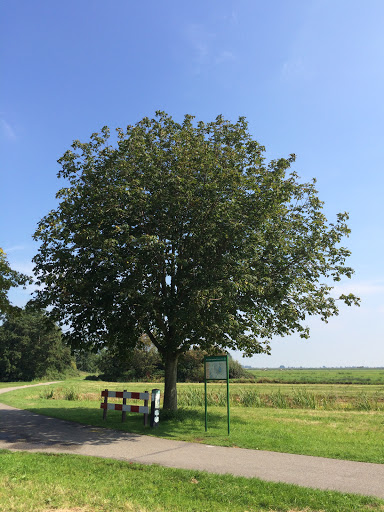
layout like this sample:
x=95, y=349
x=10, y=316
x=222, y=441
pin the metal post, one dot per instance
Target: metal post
x=124, y=414
x=228, y=416
x=205, y=394
x=106, y=405
x=146, y=414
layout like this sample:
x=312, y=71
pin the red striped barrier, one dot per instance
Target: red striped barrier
x=126, y=408
x=126, y=394
x=143, y=409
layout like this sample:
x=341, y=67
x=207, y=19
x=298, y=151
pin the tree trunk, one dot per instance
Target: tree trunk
x=170, y=391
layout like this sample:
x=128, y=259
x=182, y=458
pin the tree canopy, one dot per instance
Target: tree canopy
x=31, y=348
x=8, y=279
x=183, y=232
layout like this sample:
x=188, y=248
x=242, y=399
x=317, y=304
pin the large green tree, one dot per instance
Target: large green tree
x=31, y=347
x=185, y=233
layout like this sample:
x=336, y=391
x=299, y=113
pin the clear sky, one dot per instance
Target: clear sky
x=307, y=74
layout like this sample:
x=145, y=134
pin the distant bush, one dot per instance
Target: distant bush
x=236, y=371
x=191, y=366
x=139, y=364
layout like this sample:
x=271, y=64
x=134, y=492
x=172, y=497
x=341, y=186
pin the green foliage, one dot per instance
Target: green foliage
x=31, y=347
x=8, y=279
x=191, y=366
x=145, y=363
x=183, y=232
x=132, y=365
x=236, y=371
x=87, y=361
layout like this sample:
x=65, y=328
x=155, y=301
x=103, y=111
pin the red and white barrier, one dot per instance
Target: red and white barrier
x=125, y=394
x=124, y=407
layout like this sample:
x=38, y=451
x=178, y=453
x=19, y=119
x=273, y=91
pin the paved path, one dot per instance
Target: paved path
x=23, y=430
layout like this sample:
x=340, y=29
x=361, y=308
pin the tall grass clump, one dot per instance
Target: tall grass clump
x=47, y=394
x=193, y=397
x=302, y=399
x=366, y=403
x=217, y=398
x=60, y=393
x=249, y=398
x=327, y=402
x=71, y=394
x=278, y=401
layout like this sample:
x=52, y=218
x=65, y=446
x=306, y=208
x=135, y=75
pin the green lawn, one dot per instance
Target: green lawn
x=46, y=483
x=344, y=434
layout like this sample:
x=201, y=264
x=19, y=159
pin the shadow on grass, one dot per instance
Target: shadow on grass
x=28, y=430
x=55, y=427
x=188, y=421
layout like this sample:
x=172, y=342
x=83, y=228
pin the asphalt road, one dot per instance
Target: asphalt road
x=23, y=430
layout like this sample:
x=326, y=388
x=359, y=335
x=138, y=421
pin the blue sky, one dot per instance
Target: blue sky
x=307, y=74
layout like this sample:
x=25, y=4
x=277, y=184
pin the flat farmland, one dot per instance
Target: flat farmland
x=319, y=375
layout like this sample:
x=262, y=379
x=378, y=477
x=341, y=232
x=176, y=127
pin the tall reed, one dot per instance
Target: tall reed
x=193, y=396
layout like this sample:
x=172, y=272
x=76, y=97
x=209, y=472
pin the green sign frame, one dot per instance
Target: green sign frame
x=216, y=368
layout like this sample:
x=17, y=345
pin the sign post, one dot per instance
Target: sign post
x=155, y=408
x=216, y=368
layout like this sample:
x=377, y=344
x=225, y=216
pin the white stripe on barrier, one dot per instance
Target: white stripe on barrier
x=128, y=394
x=127, y=408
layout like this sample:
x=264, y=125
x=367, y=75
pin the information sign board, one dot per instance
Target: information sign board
x=216, y=368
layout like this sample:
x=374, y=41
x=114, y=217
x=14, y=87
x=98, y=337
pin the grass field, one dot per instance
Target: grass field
x=342, y=433
x=67, y=483
x=319, y=375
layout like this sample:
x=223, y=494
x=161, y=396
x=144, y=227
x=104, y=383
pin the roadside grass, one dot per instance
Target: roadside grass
x=31, y=482
x=342, y=434
x=319, y=375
